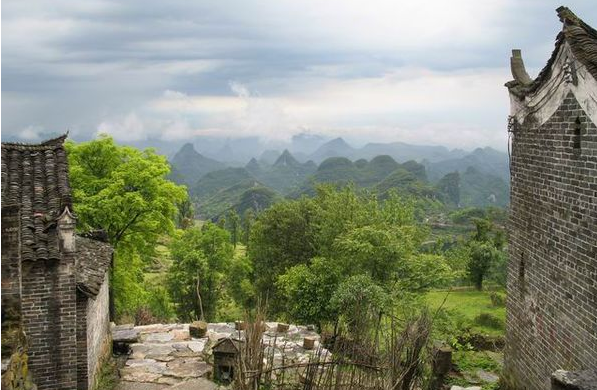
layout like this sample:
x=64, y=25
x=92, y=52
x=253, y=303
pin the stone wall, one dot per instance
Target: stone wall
x=552, y=273
x=98, y=330
x=48, y=301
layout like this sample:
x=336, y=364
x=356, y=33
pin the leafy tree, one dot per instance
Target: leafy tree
x=201, y=258
x=124, y=192
x=483, y=255
x=247, y=224
x=358, y=299
x=307, y=290
x=233, y=226
x=186, y=214
x=283, y=236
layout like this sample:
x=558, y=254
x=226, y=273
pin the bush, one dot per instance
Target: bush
x=489, y=320
x=498, y=299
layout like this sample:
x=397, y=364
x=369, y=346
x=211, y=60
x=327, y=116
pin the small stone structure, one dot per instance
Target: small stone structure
x=552, y=293
x=54, y=284
x=225, y=353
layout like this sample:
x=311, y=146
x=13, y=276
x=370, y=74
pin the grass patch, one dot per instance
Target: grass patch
x=467, y=306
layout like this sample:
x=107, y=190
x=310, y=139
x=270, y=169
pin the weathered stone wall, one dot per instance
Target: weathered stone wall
x=552, y=274
x=48, y=301
x=98, y=330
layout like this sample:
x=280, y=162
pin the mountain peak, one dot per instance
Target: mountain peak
x=286, y=159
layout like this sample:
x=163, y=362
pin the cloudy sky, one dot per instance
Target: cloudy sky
x=425, y=71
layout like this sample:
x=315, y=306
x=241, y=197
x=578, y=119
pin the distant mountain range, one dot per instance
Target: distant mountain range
x=479, y=178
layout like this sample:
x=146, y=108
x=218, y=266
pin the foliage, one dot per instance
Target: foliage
x=124, y=192
x=489, y=320
x=482, y=257
x=449, y=186
x=307, y=290
x=200, y=257
x=233, y=226
x=357, y=299
x=498, y=299
x=303, y=250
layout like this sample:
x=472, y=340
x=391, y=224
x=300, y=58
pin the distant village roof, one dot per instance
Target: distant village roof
x=582, y=39
x=93, y=261
x=35, y=178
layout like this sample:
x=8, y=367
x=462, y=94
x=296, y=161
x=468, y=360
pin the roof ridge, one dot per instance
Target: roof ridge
x=48, y=144
x=569, y=18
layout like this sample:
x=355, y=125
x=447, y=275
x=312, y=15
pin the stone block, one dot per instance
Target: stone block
x=198, y=329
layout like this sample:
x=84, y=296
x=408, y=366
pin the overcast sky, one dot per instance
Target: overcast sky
x=425, y=71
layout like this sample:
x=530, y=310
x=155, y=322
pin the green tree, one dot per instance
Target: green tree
x=201, y=258
x=483, y=255
x=233, y=226
x=124, y=192
x=186, y=214
x=307, y=290
x=283, y=236
x=247, y=223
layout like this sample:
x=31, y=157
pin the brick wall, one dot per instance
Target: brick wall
x=82, y=371
x=11, y=271
x=49, y=319
x=552, y=274
x=98, y=329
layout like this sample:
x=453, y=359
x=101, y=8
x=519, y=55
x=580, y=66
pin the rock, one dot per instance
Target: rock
x=465, y=388
x=188, y=368
x=196, y=384
x=282, y=328
x=126, y=385
x=487, y=376
x=128, y=336
x=198, y=329
x=133, y=375
x=197, y=346
x=150, y=351
x=161, y=337
x=181, y=334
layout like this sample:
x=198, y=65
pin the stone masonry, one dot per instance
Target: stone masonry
x=552, y=271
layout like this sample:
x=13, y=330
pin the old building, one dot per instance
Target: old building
x=552, y=274
x=54, y=283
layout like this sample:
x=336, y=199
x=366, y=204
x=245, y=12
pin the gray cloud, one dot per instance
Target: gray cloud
x=93, y=65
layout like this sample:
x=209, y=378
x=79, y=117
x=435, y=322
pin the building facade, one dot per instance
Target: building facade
x=552, y=271
x=54, y=284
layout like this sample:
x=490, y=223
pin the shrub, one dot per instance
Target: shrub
x=489, y=320
x=498, y=299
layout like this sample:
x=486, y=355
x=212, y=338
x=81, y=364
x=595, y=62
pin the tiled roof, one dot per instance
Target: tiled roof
x=93, y=260
x=35, y=178
x=582, y=39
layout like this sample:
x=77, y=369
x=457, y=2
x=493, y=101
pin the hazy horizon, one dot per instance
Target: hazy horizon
x=430, y=73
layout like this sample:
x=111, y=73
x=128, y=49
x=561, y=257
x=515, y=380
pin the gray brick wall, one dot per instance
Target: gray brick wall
x=11, y=269
x=552, y=274
x=48, y=303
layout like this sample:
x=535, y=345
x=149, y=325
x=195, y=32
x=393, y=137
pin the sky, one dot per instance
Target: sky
x=423, y=72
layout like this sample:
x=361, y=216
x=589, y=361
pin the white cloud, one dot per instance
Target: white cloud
x=129, y=128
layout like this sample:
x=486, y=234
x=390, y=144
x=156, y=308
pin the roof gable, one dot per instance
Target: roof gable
x=35, y=178
x=582, y=40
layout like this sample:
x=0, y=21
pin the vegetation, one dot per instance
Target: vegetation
x=124, y=192
x=378, y=242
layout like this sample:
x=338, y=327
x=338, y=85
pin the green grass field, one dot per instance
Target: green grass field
x=468, y=305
